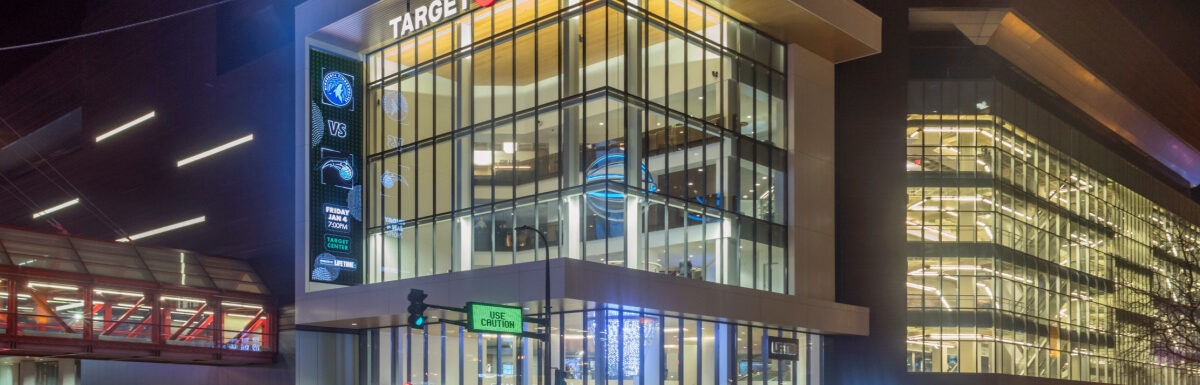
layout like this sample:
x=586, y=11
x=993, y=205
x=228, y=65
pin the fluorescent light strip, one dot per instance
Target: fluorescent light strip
x=117, y=292
x=56, y=208
x=125, y=126
x=52, y=286
x=163, y=229
x=212, y=152
x=183, y=299
x=242, y=305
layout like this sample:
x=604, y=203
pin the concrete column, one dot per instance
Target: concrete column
x=810, y=82
x=572, y=118
x=68, y=372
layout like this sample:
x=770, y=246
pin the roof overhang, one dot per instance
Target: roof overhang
x=576, y=285
x=838, y=30
x=1135, y=112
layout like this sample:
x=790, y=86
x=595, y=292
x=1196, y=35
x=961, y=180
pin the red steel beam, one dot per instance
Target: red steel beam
x=49, y=309
x=200, y=328
x=188, y=323
x=140, y=326
x=108, y=330
x=254, y=323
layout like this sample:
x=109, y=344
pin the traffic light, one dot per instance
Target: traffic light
x=416, y=309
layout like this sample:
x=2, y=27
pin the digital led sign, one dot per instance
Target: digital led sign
x=335, y=168
x=489, y=318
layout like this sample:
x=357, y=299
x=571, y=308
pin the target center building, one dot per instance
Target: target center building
x=676, y=154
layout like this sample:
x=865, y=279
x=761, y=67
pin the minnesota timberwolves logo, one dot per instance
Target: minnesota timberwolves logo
x=336, y=89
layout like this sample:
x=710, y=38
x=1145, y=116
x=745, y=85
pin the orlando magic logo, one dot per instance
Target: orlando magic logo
x=336, y=89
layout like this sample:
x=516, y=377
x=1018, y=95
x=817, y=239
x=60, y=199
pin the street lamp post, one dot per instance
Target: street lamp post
x=546, y=365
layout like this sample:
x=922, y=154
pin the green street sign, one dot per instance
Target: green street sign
x=499, y=319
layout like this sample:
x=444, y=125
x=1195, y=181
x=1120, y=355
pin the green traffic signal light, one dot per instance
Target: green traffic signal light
x=416, y=308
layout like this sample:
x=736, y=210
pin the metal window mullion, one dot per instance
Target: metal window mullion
x=778, y=363
x=433, y=147
x=537, y=117
x=513, y=118
x=461, y=359
x=770, y=256
x=642, y=160
x=408, y=357
x=377, y=124
x=479, y=341
x=662, y=350
x=442, y=350
x=699, y=351
x=641, y=348
x=399, y=353
x=683, y=199
x=584, y=349
x=679, y=339
x=604, y=13
x=425, y=355
x=491, y=123
x=416, y=216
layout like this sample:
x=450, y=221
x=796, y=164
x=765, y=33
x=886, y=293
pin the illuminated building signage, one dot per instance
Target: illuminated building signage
x=489, y=318
x=337, y=219
x=335, y=148
x=337, y=243
x=337, y=89
x=337, y=129
x=429, y=14
x=780, y=348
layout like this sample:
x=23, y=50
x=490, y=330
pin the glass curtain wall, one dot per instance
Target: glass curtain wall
x=596, y=346
x=1019, y=256
x=642, y=134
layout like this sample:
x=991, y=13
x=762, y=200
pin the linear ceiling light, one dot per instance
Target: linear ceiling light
x=183, y=299
x=56, y=208
x=163, y=229
x=211, y=152
x=52, y=286
x=125, y=126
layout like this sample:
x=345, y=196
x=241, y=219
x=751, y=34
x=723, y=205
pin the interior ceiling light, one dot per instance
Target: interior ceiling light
x=163, y=229
x=51, y=286
x=60, y=206
x=216, y=150
x=125, y=126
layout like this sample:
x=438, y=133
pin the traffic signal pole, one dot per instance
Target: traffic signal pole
x=417, y=307
x=546, y=363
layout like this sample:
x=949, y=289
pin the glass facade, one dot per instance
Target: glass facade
x=1020, y=258
x=596, y=346
x=644, y=134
